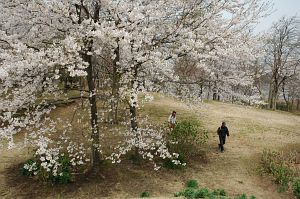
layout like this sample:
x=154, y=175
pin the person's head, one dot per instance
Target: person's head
x=174, y=113
x=223, y=123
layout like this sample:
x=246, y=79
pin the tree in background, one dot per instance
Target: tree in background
x=282, y=56
x=291, y=92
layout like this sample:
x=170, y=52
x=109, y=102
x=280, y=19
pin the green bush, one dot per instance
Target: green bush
x=243, y=196
x=274, y=163
x=34, y=168
x=189, y=193
x=220, y=192
x=283, y=175
x=62, y=178
x=296, y=188
x=144, y=194
x=188, y=134
x=64, y=171
x=192, y=184
x=30, y=168
x=202, y=193
x=192, y=191
x=169, y=164
x=269, y=160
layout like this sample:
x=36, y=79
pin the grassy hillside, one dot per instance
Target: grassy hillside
x=251, y=131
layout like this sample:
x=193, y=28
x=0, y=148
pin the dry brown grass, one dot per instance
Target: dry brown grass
x=252, y=130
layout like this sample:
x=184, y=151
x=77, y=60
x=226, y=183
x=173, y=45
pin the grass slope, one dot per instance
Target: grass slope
x=251, y=131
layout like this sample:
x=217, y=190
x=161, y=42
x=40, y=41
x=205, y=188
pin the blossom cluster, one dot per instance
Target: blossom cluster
x=150, y=142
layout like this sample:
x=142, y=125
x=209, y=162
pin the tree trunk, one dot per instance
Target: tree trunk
x=201, y=92
x=95, y=160
x=298, y=104
x=215, y=91
x=214, y=96
x=274, y=99
x=66, y=84
x=270, y=97
x=115, y=88
x=286, y=99
x=133, y=109
x=95, y=135
x=134, y=124
x=81, y=84
x=208, y=92
x=114, y=104
x=133, y=119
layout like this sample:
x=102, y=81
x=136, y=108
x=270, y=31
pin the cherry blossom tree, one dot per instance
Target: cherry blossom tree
x=141, y=41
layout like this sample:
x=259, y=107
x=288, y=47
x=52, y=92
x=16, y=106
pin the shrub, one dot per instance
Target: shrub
x=274, y=163
x=169, y=163
x=283, y=175
x=192, y=191
x=188, y=134
x=296, y=188
x=63, y=170
x=189, y=193
x=269, y=160
x=62, y=178
x=144, y=194
x=243, y=196
x=192, y=184
x=220, y=192
x=202, y=193
x=30, y=168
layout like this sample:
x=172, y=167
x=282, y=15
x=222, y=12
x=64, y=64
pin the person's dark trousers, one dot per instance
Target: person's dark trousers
x=222, y=142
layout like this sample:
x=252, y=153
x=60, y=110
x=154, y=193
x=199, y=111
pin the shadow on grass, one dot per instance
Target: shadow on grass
x=99, y=183
x=123, y=180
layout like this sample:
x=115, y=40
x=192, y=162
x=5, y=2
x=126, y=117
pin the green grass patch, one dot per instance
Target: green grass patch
x=144, y=194
x=278, y=165
x=193, y=191
x=192, y=184
x=296, y=188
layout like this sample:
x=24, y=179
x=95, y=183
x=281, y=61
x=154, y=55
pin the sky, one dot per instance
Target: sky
x=280, y=8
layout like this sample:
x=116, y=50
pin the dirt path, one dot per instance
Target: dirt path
x=252, y=130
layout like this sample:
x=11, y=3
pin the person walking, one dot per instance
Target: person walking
x=222, y=132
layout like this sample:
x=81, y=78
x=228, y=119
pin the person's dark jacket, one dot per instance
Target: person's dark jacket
x=223, y=131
